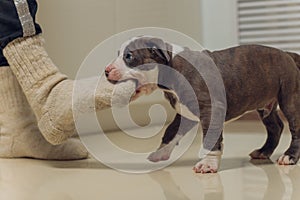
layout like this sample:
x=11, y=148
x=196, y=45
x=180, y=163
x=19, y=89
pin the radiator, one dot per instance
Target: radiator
x=270, y=23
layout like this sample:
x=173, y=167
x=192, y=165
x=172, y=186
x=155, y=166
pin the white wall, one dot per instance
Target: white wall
x=219, y=24
x=74, y=27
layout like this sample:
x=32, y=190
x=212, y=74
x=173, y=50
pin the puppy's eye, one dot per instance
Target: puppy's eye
x=128, y=57
x=153, y=50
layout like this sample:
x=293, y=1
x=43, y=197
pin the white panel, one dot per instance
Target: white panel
x=220, y=23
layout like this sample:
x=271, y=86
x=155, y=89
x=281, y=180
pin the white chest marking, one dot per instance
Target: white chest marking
x=176, y=49
x=184, y=111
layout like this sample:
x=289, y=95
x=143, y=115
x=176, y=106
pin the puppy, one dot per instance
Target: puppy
x=255, y=78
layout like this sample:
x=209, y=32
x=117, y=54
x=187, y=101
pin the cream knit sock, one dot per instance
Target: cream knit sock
x=19, y=134
x=49, y=92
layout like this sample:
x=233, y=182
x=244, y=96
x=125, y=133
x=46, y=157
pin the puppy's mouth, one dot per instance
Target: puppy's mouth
x=140, y=88
x=136, y=81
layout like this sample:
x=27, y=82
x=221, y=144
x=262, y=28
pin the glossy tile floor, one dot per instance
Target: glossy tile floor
x=238, y=179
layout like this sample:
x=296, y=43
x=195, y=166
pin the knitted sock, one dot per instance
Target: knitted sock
x=19, y=134
x=49, y=92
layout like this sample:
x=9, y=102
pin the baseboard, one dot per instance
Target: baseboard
x=253, y=116
x=140, y=111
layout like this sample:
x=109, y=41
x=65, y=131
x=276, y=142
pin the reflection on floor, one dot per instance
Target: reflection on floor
x=239, y=178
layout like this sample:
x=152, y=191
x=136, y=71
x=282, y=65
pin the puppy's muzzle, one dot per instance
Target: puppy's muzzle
x=112, y=74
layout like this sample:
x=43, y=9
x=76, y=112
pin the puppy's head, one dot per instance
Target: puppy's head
x=138, y=59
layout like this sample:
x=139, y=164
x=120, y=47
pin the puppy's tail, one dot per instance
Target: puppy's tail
x=296, y=58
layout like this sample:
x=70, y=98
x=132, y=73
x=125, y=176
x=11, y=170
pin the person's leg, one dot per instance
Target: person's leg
x=19, y=134
x=48, y=91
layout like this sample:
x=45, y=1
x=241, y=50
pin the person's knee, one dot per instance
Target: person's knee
x=3, y=61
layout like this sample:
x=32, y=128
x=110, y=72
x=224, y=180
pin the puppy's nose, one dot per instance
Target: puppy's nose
x=108, y=70
x=107, y=73
x=112, y=73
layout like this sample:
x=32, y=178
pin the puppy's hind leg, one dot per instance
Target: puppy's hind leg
x=291, y=108
x=274, y=128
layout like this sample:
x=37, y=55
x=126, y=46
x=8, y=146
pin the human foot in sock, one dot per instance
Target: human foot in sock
x=49, y=92
x=19, y=134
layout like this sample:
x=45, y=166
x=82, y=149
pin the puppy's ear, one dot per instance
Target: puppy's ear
x=161, y=52
x=169, y=50
x=160, y=48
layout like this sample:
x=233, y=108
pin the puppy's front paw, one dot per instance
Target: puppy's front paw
x=165, y=150
x=286, y=160
x=209, y=164
x=163, y=153
x=158, y=156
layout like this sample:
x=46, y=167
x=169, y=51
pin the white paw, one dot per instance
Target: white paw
x=163, y=153
x=285, y=160
x=209, y=164
x=165, y=150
